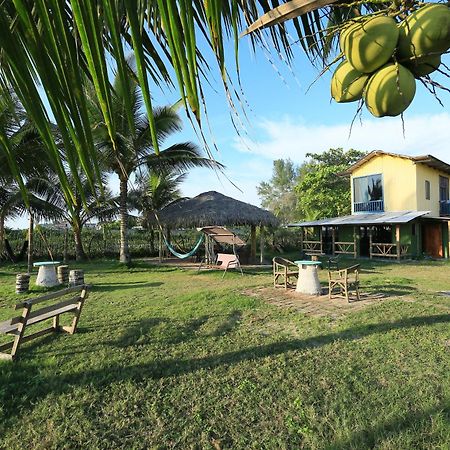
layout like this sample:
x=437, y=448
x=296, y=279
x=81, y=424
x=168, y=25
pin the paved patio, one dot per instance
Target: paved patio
x=318, y=306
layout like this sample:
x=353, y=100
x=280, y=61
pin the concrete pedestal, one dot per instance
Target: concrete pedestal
x=47, y=273
x=308, y=279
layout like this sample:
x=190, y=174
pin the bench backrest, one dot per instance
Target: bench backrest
x=227, y=260
x=81, y=290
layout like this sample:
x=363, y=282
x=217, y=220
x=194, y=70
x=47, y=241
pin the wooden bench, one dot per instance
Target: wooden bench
x=283, y=271
x=17, y=325
x=344, y=280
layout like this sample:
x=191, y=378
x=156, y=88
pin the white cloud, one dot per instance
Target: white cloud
x=290, y=138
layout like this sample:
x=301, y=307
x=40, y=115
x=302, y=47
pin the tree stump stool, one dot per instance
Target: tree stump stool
x=76, y=277
x=63, y=274
x=22, y=283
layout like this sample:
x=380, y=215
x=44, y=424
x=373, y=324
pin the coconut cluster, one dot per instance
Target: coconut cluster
x=383, y=58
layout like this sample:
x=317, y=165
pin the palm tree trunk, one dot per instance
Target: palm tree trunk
x=80, y=255
x=123, y=212
x=2, y=234
x=152, y=241
x=30, y=241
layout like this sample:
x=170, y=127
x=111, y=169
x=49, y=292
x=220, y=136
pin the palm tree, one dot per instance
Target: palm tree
x=87, y=204
x=53, y=45
x=131, y=147
x=153, y=192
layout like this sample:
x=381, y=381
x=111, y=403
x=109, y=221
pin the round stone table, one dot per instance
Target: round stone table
x=47, y=273
x=308, y=280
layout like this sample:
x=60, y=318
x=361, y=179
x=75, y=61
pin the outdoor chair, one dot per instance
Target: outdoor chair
x=284, y=271
x=333, y=263
x=343, y=281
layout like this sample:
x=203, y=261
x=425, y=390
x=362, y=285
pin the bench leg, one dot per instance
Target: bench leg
x=20, y=331
x=56, y=323
x=72, y=328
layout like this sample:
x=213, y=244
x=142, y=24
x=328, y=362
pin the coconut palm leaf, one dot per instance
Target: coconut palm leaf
x=50, y=47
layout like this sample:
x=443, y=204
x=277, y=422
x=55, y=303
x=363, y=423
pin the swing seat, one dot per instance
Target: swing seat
x=225, y=261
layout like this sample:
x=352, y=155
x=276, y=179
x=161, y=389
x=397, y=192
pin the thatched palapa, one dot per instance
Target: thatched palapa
x=213, y=208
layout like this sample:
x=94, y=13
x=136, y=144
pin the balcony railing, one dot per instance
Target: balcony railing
x=372, y=206
x=444, y=208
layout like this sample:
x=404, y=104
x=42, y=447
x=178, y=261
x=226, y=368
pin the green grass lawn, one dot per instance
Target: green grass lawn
x=168, y=358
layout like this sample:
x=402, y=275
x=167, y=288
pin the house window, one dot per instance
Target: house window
x=368, y=193
x=427, y=190
x=443, y=189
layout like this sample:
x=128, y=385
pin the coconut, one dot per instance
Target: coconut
x=423, y=66
x=369, y=44
x=425, y=32
x=390, y=91
x=347, y=83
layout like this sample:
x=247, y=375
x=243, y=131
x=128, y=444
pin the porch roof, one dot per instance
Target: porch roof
x=365, y=219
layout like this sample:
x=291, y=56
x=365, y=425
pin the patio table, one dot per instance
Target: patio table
x=47, y=273
x=308, y=280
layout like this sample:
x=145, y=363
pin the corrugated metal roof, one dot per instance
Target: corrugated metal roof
x=365, y=219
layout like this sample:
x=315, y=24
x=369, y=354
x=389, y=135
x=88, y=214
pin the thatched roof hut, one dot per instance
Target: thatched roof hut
x=213, y=208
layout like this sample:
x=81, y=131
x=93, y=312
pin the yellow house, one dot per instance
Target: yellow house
x=400, y=209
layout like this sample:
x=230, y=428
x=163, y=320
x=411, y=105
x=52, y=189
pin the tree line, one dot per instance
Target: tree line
x=38, y=190
x=315, y=189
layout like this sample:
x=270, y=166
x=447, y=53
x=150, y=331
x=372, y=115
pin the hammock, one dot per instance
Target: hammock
x=183, y=255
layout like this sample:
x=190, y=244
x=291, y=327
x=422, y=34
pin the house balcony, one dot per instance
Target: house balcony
x=444, y=208
x=369, y=207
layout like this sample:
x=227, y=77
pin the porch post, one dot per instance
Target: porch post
x=397, y=240
x=261, y=244
x=320, y=238
x=301, y=239
x=370, y=241
x=448, y=239
x=333, y=239
x=253, y=243
x=355, y=243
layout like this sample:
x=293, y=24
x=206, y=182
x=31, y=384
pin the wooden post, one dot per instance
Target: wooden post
x=261, y=244
x=253, y=243
x=30, y=241
x=397, y=240
x=370, y=242
x=320, y=238
x=66, y=232
x=160, y=246
x=355, y=243
x=301, y=240
x=333, y=240
x=448, y=239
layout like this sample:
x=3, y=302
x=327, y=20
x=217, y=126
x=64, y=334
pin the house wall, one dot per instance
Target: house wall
x=399, y=181
x=432, y=175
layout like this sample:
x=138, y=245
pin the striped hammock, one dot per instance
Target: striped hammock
x=184, y=255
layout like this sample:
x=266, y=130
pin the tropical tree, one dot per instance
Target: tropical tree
x=87, y=204
x=132, y=147
x=321, y=190
x=25, y=147
x=278, y=194
x=153, y=192
x=51, y=46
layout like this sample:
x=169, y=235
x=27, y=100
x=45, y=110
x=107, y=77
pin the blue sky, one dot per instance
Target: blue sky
x=286, y=120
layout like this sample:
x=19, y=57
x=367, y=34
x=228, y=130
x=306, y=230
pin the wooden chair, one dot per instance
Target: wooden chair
x=344, y=280
x=17, y=325
x=283, y=272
